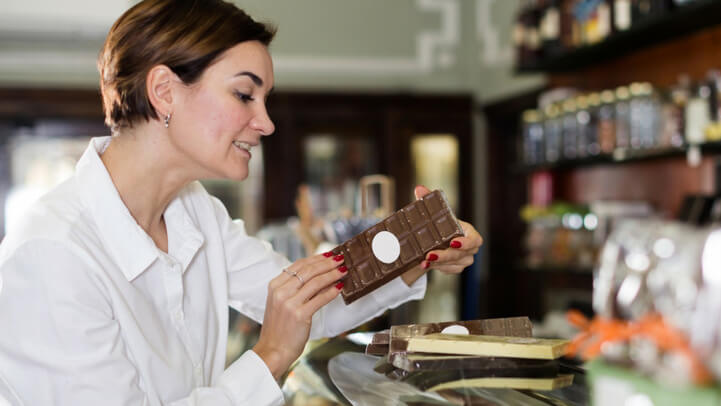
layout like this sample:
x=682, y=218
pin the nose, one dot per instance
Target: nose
x=262, y=122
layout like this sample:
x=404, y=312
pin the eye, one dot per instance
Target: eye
x=245, y=98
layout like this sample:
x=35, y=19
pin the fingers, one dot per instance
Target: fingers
x=322, y=298
x=421, y=191
x=308, y=268
x=320, y=282
x=471, y=237
x=459, y=255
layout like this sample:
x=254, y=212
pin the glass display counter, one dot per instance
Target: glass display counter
x=338, y=372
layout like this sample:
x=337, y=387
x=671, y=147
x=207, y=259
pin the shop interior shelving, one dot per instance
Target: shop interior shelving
x=620, y=157
x=685, y=19
x=684, y=41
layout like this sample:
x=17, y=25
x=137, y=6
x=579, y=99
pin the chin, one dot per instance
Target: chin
x=237, y=176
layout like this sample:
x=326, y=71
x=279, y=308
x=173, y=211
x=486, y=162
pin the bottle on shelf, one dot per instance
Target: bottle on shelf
x=645, y=117
x=607, y=122
x=526, y=37
x=551, y=28
x=570, y=30
x=533, y=137
x=697, y=114
x=583, y=126
x=672, y=118
x=593, y=145
x=621, y=15
x=713, y=130
x=570, y=130
x=623, y=120
x=553, y=132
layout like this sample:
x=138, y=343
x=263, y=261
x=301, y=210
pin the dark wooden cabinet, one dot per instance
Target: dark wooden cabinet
x=389, y=121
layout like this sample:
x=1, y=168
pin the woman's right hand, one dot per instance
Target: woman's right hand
x=290, y=306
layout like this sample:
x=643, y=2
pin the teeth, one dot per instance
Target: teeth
x=243, y=145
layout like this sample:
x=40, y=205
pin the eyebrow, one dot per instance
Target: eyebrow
x=255, y=78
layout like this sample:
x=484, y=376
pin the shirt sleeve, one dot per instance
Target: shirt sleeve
x=63, y=345
x=252, y=264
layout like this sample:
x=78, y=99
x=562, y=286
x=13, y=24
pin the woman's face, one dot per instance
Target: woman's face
x=219, y=120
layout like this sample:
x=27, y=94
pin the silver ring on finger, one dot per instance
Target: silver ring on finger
x=294, y=273
x=302, y=282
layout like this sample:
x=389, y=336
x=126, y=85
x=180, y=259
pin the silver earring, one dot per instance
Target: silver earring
x=167, y=120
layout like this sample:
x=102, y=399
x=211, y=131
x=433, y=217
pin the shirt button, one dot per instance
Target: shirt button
x=199, y=373
x=179, y=316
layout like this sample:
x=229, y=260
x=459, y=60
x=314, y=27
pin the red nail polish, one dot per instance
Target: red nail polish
x=328, y=254
x=432, y=257
x=425, y=265
x=456, y=244
x=343, y=268
x=339, y=285
x=338, y=257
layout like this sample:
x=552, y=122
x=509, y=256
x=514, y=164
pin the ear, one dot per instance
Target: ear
x=159, y=87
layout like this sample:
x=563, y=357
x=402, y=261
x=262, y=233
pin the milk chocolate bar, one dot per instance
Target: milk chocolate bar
x=396, y=244
x=379, y=343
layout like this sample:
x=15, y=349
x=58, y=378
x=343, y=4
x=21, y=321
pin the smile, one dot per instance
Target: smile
x=242, y=146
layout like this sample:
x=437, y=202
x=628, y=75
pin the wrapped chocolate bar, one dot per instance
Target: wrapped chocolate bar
x=380, y=343
x=396, y=244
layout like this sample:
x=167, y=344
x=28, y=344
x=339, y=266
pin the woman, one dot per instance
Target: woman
x=117, y=283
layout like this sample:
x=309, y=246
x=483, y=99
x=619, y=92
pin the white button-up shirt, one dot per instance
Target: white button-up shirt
x=93, y=313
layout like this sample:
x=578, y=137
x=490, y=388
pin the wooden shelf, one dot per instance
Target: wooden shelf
x=619, y=158
x=674, y=24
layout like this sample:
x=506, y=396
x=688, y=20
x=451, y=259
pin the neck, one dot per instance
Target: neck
x=141, y=164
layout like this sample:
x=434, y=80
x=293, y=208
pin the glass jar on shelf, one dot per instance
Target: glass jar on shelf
x=697, y=114
x=553, y=132
x=644, y=111
x=623, y=119
x=594, y=106
x=583, y=126
x=672, y=118
x=533, y=150
x=607, y=122
x=570, y=130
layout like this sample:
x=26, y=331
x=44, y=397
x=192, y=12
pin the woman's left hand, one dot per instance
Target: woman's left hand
x=452, y=260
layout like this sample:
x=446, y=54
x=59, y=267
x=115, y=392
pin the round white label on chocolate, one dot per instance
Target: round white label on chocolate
x=386, y=247
x=455, y=329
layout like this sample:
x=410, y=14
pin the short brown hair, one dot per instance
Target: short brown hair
x=185, y=35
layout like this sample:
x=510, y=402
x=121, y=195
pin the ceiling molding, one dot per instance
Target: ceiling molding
x=434, y=50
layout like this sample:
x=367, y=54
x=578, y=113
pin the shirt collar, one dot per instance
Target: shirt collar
x=131, y=247
x=184, y=238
